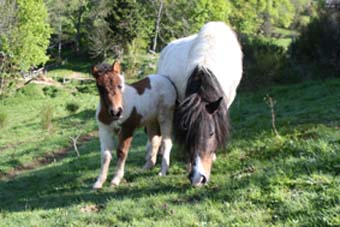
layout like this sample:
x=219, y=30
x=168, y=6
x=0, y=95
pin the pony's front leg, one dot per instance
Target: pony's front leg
x=165, y=121
x=125, y=138
x=106, y=146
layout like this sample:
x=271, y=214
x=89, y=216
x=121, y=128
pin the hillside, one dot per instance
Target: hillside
x=260, y=179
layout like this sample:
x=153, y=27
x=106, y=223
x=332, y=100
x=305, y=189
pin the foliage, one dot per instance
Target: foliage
x=319, y=44
x=264, y=61
x=27, y=43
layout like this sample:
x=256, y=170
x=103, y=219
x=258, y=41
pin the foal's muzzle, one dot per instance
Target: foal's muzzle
x=116, y=113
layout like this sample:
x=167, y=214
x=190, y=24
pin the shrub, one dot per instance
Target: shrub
x=31, y=90
x=46, y=117
x=317, y=50
x=72, y=107
x=263, y=62
x=53, y=92
x=3, y=119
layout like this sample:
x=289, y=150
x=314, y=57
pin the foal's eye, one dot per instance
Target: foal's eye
x=120, y=86
x=211, y=133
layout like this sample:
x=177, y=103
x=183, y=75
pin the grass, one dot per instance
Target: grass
x=259, y=180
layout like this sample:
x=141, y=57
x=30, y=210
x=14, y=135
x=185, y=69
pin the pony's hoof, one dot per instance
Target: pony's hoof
x=161, y=174
x=148, y=166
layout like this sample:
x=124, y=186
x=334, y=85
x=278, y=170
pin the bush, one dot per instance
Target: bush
x=31, y=90
x=53, y=92
x=46, y=117
x=72, y=107
x=3, y=119
x=264, y=61
x=317, y=50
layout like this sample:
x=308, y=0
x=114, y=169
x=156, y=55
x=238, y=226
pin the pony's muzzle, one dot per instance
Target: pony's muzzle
x=116, y=113
x=197, y=179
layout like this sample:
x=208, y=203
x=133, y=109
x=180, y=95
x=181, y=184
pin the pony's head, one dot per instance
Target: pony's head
x=110, y=84
x=202, y=123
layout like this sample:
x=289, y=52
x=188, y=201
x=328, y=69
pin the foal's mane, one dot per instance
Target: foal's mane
x=192, y=121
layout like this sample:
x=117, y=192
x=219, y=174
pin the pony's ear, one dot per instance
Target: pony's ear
x=116, y=67
x=213, y=106
x=94, y=71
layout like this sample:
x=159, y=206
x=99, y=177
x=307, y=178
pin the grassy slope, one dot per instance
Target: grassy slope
x=260, y=180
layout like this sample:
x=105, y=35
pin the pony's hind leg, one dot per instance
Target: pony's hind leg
x=106, y=146
x=125, y=139
x=165, y=122
x=153, y=145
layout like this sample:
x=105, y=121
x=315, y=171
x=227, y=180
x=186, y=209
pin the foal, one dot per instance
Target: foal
x=123, y=108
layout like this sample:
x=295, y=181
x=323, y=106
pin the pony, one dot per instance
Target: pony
x=123, y=108
x=206, y=69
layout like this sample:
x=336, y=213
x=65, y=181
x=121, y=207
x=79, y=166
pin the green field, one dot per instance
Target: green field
x=260, y=179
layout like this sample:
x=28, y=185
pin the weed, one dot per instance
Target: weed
x=46, y=117
x=3, y=119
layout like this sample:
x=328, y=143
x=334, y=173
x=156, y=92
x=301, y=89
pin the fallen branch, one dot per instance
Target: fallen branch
x=74, y=141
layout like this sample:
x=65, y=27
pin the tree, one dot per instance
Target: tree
x=253, y=17
x=28, y=39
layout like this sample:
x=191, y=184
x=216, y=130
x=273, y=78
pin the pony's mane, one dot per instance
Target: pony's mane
x=192, y=122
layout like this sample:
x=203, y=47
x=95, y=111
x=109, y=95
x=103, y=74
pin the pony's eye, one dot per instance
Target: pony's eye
x=211, y=133
x=120, y=86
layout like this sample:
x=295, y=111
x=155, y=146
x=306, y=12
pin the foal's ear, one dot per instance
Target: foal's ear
x=116, y=67
x=94, y=71
x=213, y=106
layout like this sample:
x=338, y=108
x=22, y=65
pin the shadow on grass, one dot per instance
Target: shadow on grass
x=69, y=182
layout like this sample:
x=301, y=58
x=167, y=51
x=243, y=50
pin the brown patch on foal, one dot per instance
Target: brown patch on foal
x=133, y=121
x=104, y=115
x=142, y=85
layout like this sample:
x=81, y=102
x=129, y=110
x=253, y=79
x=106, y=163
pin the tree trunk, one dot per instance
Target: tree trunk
x=158, y=20
x=59, y=41
x=80, y=14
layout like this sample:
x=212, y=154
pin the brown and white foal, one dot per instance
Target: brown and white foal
x=123, y=108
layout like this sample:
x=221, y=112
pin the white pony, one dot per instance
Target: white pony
x=122, y=108
x=206, y=69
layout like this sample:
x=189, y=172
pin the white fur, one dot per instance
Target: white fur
x=155, y=105
x=198, y=171
x=216, y=47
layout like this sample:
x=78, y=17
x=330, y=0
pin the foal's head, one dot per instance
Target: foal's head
x=202, y=121
x=110, y=84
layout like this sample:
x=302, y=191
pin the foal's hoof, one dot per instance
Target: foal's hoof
x=115, y=182
x=97, y=186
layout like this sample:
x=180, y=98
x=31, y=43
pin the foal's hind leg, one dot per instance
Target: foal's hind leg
x=106, y=146
x=154, y=142
x=165, y=122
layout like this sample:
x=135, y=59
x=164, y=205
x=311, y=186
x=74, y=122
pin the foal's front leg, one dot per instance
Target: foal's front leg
x=106, y=147
x=125, y=138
